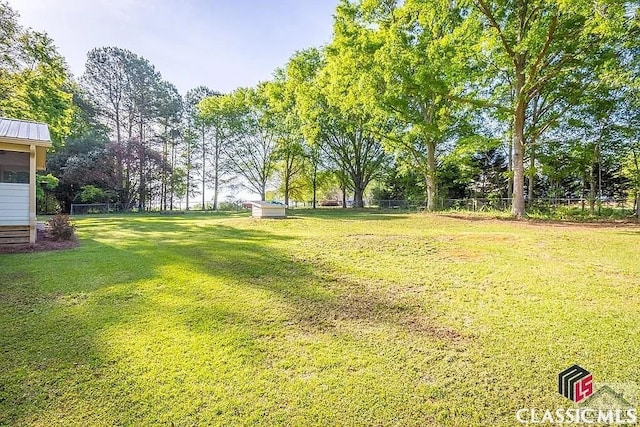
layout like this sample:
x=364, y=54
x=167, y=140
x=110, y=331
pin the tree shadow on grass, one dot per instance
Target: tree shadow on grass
x=630, y=232
x=560, y=223
x=96, y=340
x=349, y=214
x=477, y=218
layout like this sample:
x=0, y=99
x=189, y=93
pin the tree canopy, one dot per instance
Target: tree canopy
x=426, y=100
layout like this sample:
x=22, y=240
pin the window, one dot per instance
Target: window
x=14, y=167
x=15, y=177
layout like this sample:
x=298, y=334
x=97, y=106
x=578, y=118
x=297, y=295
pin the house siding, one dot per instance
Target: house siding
x=14, y=204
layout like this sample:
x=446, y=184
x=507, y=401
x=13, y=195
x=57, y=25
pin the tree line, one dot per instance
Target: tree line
x=414, y=99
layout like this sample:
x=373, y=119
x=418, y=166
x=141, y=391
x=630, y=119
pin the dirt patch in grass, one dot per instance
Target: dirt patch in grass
x=364, y=304
x=44, y=243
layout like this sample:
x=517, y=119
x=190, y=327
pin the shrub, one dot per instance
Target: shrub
x=61, y=228
x=227, y=206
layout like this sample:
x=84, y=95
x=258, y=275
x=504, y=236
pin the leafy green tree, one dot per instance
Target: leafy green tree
x=345, y=121
x=131, y=100
x=106, y=83
x=202, y=134
x=540, y=44
x=288, y=130
x=416, y=53
x=250, y=132
x=213, y=112
x=44, y=198
x=34, y=81
x=301, y=79
x=170, y=110
x=629, y=82
x=93, y=194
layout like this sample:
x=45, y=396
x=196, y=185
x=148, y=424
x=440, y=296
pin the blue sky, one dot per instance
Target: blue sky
x=222, y=44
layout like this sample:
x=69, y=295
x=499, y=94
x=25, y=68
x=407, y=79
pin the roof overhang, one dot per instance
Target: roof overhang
x=21, y=135
x=15, y=143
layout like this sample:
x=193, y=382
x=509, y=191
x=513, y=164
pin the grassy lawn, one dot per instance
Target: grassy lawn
x=326, y=318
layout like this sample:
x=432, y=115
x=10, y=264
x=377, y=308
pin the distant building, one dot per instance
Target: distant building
x=268, y=210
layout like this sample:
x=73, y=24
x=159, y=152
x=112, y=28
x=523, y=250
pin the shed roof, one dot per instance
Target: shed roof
x=268, y=204
x=22, y=131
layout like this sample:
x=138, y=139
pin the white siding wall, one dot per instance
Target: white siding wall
x=14, y=204
x=267, y=211
x=273, y=212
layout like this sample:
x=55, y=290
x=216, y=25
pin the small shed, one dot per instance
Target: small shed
x=23, y=148
x=267, y=210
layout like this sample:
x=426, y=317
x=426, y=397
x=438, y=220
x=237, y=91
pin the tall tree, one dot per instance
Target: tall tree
x=201, y=129
x=214, y=111
x=145, y=87
x=346, y=123
x=251, y=133
x=169, y=115
x=105, y=81
x=290, y=152
x=34, y=81
x=413, y=54
x=301, y=79
x=540, y=44
x=127, y=92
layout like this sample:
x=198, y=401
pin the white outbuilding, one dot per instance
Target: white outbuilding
x=268, y=210
x=23, y=147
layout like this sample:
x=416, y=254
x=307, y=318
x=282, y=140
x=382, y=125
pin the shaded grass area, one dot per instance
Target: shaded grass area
x=604, y=212
x=330, y=317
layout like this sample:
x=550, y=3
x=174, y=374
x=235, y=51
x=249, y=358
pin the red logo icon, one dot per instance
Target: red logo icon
x=575, y=383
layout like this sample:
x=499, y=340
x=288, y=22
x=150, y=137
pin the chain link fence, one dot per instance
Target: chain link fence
x=470, y=204
x=95, y=208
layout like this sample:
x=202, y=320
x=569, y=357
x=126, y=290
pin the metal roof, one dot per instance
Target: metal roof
x=22, y=129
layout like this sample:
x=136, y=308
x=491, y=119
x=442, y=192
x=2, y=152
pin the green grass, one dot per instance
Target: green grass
x=326, y=318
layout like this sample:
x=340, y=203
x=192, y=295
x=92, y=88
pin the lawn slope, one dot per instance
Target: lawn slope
x=325, y=318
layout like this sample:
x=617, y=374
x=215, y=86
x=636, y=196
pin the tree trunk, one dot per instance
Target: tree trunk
x=314, y=183
x=637, y=168
x=120, y=174
x=188, y=174
x=510, y=168
x=286, y=191
x=141, y=193
x=599, y=157
x=344, y=196
x=532, y=175
x=288, y=168
x=216, y=176
x=358, y=194
x=584, y=191
x=204, y=168
x=165, y=160
x=173, y=166
x=431, y=176
x=592, y=193
x=518, y=207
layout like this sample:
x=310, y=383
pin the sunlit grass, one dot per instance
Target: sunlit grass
x=341, y=318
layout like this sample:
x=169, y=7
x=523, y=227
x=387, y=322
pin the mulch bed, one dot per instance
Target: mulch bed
x=44, y=242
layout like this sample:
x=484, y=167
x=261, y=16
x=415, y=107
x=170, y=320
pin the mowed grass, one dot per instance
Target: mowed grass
x=325, y=318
